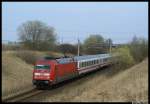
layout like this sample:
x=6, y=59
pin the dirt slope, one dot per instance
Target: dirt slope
x=129, y=85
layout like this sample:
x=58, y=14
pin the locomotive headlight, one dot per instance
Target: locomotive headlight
x=37, y=73
x=46, y=74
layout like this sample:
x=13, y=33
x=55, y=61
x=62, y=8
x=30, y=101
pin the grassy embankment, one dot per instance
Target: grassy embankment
x=17, y=69
x=103, y=86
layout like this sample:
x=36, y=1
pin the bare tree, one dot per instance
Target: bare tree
x=37, y=35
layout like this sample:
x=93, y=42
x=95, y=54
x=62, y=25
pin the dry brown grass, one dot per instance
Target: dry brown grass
x=54, y=54
x=128, y=85
x=31, y=56
x=17, y=69
x=16, y=74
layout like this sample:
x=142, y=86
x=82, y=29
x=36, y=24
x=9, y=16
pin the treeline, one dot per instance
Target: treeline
x=131, y=53
x=36, y=35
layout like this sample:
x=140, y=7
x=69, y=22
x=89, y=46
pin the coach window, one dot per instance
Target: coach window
x=82, y=64
x=88, y=63
x=79, y=64
x=106, y=59
x=103, y=60
x=98, y=61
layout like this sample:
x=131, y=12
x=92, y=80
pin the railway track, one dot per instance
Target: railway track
x=22, y=96
x=33, y=92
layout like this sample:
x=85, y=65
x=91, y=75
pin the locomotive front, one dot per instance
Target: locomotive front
x=43, y=72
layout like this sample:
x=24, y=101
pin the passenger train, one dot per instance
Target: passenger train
x=50, y=71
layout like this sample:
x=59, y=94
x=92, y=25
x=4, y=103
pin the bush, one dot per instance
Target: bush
x=28, y=56
x=124, y=59
x=6, y=47
x=139, y=48
x=53, y=54
x=68, y=48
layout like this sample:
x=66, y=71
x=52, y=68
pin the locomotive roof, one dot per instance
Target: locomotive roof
x=79, y=58
x=64, y=60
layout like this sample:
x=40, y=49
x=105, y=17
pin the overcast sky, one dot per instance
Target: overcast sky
x=119, y=21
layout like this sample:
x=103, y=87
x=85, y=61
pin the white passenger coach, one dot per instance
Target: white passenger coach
x=92, y=62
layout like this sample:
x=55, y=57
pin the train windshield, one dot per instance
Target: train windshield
x=44, y=67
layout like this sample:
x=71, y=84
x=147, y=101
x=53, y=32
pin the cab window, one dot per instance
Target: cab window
x=40, y=67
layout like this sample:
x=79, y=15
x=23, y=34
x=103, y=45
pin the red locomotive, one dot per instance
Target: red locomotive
x=50, y=71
